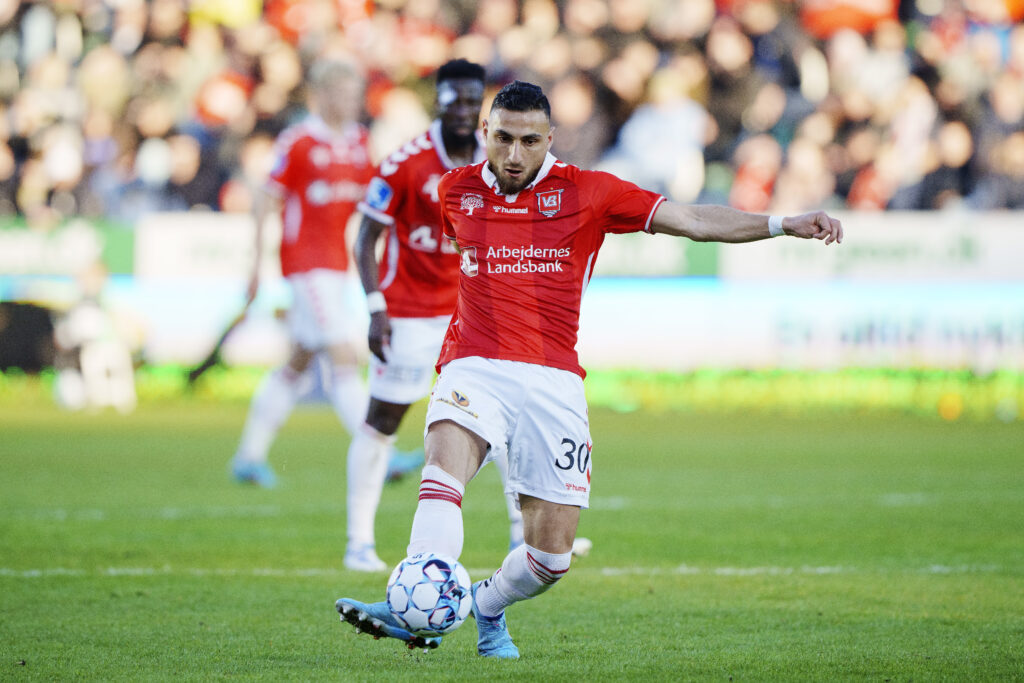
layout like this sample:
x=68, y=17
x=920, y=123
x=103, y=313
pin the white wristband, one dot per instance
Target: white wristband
x=375, y=302
x=775, y=226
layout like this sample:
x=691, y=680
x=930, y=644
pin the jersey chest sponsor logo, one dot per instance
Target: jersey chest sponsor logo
x=549, y=203
x=320, y=192
x=323, y=156
x=506, y=260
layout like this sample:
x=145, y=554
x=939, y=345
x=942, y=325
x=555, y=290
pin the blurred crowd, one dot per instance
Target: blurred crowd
x=115, y=108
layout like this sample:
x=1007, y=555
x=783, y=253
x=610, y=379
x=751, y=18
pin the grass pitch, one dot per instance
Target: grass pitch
x=726, y=547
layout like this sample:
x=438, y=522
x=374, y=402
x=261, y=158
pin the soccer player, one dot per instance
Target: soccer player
x=322, y=170
x=528, y=228
x=411, y=295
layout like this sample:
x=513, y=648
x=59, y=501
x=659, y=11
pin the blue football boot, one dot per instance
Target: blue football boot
x=258, y=473
x=493, y=639
x=376, y=619
x=402, y=463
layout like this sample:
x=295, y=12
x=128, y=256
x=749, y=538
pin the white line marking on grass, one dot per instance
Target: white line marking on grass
x=220, y=511
x=684, y=569
x=681, y=570
x=167, y=513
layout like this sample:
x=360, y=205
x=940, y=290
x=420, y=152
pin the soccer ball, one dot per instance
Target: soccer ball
x=429, y=594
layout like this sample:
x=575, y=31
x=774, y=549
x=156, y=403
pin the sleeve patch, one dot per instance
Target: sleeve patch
x=379, y=195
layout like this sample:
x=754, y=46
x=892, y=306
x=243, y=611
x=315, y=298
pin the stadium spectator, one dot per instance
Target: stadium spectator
x=223, y=73
x=528, y=229
x=322, y=170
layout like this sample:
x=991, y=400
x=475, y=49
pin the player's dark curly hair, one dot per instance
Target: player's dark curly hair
x=520, y=96
x=460, y=68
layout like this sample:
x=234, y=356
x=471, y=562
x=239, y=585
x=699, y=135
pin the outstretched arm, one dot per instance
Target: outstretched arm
x=710, y=223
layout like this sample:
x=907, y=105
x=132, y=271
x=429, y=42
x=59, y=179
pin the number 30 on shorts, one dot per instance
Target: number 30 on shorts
x=574, y=456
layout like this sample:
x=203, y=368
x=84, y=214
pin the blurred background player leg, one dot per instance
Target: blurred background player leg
x=402, y=463
x=367, y=464
x=515, y=515
x=272, y=404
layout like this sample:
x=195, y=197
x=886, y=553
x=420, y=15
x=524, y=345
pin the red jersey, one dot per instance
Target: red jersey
x=320, y=174
x=419, y=268
x=526, y=259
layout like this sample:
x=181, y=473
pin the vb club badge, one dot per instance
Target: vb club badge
x=549, y=203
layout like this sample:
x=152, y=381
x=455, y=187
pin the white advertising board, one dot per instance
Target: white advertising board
x=942, y=290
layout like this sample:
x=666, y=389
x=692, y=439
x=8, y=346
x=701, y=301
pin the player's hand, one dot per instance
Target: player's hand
x=379, y=334
x=815, y=225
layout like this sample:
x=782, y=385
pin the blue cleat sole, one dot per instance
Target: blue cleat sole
x=355, y=613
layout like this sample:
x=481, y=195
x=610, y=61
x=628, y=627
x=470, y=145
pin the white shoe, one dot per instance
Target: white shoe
x=581, y=546
x=363, y=558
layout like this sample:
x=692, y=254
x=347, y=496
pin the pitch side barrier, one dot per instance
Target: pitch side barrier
x=906, y=290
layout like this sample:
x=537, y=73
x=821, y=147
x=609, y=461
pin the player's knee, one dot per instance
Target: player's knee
x=299, y=360
x=385, y=417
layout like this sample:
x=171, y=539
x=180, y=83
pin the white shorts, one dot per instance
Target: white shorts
x=412, y=354
x=535, y=413
x=320, y=314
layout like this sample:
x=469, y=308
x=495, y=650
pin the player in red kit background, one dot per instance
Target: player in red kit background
x=411, y=293
x=322, y=170
x=529, y=228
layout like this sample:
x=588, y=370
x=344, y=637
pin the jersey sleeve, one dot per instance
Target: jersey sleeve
x=287, y=166
x=380, y=202
x=447, y=229
x=625, y=206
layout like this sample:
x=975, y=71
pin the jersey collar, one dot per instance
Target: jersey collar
x=492, y=180
x=321, y=131
x=442, y=152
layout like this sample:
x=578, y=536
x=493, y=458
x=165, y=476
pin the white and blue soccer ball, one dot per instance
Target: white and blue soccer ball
x=429, y=594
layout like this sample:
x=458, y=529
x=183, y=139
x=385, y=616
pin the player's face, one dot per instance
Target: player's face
x=458, y=106
x=340, y=99
x=517, y=142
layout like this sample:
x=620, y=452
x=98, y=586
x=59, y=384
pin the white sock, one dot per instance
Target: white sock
x=525, y=573
x=348, y=396
x=271, y=406
x=367, y=467
x=515, y=516
x=437, y=525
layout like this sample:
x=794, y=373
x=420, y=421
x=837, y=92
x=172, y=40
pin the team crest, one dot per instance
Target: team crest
x=471, y=202
x=549, y=203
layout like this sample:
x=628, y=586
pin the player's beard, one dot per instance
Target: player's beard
x=508, y=186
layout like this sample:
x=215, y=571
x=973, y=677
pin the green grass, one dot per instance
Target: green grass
x=726, y=547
